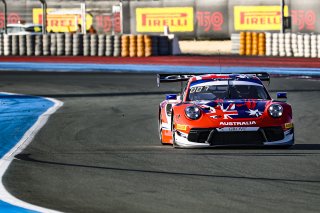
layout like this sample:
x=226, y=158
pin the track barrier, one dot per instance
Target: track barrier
x=276, y=44
x=117, y=45
x=140, y=45
x=93, y=45
x=101, y=44
x=1, y=44
x=67, y=44
x=125, y=46
x=109, y=45
x=147, y=46
x=53, y=46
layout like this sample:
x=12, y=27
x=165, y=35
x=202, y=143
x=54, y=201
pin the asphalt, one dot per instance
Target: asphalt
x=100, y=153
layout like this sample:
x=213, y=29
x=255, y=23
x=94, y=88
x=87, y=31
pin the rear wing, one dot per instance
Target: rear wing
x=263, y=76
x=169, y=78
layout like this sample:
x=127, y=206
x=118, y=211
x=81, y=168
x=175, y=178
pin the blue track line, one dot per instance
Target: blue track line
x=18, y=113
x=8, y=208
x=76, y=67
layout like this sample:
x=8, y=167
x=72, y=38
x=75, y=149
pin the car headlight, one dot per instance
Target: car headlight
x=193, y=112
x=275, y=110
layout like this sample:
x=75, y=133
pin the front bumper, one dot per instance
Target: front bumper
x=267, y=136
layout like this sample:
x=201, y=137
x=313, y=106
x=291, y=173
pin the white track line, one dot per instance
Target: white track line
x=6, y=160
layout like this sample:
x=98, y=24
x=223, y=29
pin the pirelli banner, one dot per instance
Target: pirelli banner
x=187, y=19
x=179, y=19
x=61, y=20
x=152, y=17
x=264, y=18
x=262, y=15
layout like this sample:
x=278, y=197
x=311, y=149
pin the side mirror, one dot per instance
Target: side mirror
x=282, y=96
x=171, y=97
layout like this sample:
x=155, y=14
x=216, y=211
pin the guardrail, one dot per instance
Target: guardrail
x=67, y=44
x=276, y=44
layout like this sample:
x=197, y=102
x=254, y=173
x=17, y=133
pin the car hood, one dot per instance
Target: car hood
x=233, y=109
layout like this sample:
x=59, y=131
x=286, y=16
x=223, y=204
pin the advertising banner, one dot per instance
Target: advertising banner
x=178, y=19
x=262, y=18
x=188, y=19
x=212, y=19
x=16, y=12
x=305, y=16
x=61, y=20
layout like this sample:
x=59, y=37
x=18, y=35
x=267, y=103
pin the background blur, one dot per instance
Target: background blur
x=189, y=19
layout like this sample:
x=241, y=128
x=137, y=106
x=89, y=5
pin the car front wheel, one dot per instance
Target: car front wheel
x=174, y=144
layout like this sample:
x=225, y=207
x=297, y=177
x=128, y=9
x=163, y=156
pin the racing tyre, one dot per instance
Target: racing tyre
x=160, y=130
x=174, y=144
x=286, y=147
x=280, y=147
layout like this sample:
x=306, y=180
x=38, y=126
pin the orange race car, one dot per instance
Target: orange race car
x=224, y=110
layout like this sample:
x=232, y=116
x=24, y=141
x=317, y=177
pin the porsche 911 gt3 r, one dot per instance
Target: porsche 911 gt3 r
x=224, y=110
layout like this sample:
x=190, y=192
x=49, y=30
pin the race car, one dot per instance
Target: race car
x=224, y=110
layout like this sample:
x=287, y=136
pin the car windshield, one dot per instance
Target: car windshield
x=19, y=29
x=213, y=92
x=14, y=29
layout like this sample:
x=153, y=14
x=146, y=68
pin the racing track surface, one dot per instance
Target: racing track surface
x=100, y=153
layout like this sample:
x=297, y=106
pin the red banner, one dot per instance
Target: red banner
x=210, y=21
x=13, y=18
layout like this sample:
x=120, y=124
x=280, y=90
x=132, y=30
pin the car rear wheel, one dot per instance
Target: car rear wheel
x=174, y=144
x=160, y=129
x=285, y=147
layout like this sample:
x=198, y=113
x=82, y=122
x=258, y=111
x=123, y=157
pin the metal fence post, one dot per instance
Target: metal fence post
x=282, y=16
x=5, y=15
x=83, y=18
x=121, y=15
x=44, y=16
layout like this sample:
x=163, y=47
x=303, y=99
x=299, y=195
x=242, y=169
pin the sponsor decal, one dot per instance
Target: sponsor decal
x=222, y=109
x=288, y=125
x=181, y=127
x=238, y=123
x=178, y=19
x=255, y=113
x=258, y=17
x=251, y=105
x=237, y=129
x=61, y=20
x=223, y=112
